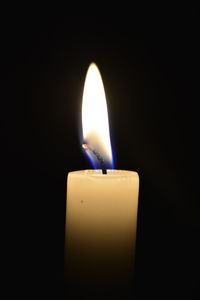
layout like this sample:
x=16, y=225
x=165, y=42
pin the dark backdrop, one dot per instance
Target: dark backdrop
x=148, y=63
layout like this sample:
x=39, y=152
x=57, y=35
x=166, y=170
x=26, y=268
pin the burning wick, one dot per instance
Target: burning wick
x=98, y=156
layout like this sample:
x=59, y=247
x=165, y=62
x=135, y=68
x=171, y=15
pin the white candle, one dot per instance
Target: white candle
x=101, y=210
x=101, y=225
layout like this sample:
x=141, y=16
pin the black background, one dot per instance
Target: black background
x=148, y=62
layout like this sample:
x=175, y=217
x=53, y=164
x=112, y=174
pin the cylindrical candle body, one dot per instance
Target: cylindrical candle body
x=101, y=222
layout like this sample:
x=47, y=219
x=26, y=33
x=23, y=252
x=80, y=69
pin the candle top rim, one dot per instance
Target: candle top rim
x=110, y=173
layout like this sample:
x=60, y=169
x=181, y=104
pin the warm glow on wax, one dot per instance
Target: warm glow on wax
x=95, y=124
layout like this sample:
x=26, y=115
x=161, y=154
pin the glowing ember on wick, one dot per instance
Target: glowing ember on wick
x=98, y=156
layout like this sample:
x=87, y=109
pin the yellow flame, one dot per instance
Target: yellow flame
x=95, y=124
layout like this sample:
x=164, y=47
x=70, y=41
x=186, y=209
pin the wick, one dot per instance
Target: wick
x=98, y=156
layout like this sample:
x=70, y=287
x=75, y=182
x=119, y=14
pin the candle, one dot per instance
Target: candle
x=102, y=204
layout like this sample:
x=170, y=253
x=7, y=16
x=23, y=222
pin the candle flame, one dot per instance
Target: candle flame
x=95, y=125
